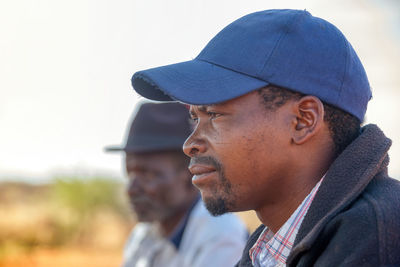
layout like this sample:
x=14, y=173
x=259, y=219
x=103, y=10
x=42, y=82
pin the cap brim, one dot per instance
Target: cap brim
x=114, y=149
x=146, y=148
x=194, y=82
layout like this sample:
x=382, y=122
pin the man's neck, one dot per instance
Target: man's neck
x=169, y=224
x=274, y=215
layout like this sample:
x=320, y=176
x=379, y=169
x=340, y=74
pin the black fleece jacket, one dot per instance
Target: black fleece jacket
x=354, y=219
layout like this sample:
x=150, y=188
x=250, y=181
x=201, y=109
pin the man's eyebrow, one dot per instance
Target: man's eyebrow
x=203, y=108
x=200, y=108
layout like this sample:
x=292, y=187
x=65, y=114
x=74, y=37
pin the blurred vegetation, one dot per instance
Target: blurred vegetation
x=73, y=221
x=83, y=197
x=71, y=211
x=82, y=200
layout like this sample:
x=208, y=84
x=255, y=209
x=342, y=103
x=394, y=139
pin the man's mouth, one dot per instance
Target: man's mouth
x=201, y=172
x=140, y=202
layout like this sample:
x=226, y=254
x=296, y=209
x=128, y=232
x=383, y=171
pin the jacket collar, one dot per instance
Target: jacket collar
x=345, y=180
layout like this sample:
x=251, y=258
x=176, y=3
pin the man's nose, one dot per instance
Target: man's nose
x=134, y=186
x=194, y=145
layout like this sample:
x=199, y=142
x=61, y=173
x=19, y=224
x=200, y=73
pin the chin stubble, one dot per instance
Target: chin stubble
x=220, y=204
x=216, y=207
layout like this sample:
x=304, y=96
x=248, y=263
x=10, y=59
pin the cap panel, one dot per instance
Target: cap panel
x=356, y=91
x=244, y=45
x=310, y=59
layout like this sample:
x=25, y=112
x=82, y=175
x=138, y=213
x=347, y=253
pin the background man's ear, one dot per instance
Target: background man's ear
x=309, y=112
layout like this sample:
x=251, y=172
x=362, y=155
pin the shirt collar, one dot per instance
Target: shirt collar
x=176, y=236
x=273, y=249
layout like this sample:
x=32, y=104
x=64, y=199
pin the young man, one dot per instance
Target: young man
x=278, y=97
x=174, y=227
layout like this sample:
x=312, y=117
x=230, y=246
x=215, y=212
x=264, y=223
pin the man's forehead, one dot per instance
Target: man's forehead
x=237, y=102
x=194, y=108
x=136, y=158
x=151, y=156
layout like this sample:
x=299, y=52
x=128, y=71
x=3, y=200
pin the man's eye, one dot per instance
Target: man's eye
x=213, y=115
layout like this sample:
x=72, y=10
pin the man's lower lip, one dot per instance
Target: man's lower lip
x=202, y=178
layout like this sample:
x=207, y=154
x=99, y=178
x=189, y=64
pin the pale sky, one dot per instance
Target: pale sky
x=65, y=69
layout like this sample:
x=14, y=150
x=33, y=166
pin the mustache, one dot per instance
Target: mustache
x=141, y=202
x=140, y=199
x=207, y=160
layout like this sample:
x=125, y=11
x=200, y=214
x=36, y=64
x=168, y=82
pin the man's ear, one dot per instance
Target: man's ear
x=309, y=119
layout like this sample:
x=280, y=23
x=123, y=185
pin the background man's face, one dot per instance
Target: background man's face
x=157, y=185
x=238, y=152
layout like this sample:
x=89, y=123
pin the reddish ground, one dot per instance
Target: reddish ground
x=66, y=257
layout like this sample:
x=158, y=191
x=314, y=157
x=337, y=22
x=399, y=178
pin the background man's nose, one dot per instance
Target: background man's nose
x=134, y=186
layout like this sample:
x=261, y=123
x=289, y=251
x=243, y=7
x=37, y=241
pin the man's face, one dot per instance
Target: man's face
x=238, y=153
x=158, y=185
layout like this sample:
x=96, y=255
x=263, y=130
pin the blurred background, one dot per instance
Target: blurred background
x=65, y=93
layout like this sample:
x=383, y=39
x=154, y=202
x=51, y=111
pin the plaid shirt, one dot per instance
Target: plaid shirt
x=273, y=249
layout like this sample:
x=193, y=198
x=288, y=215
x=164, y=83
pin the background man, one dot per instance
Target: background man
x=175, y=229
x=278, y=97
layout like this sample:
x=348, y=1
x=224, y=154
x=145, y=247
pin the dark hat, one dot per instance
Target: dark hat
x=287, y=48
x=157, y=127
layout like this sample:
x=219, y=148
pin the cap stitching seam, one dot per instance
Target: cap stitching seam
x=345, y=69
x=289, y=24
x=218, y=65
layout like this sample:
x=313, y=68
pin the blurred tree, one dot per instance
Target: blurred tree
x=81, y=199
x=83, y=196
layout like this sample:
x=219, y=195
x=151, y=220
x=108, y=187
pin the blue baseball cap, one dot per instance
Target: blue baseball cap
x=287, y=48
